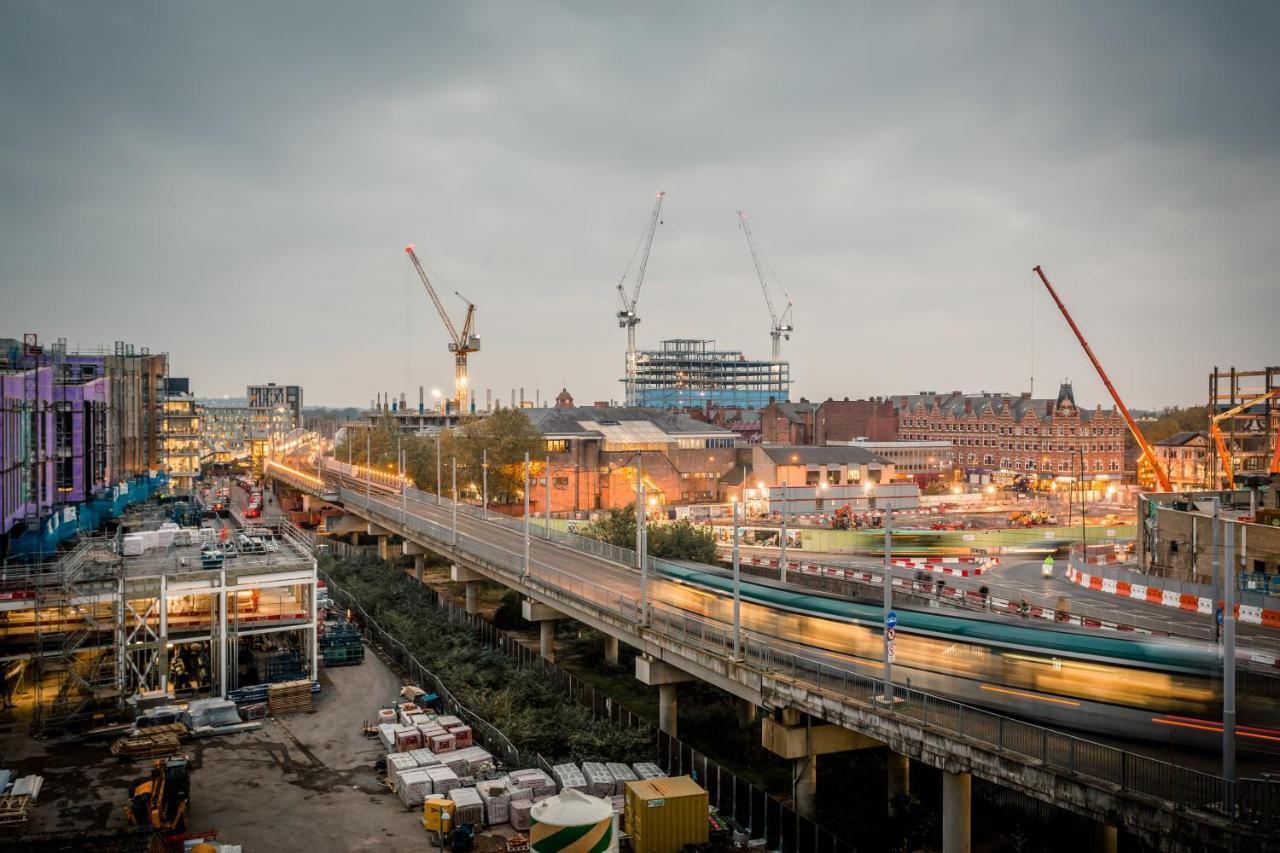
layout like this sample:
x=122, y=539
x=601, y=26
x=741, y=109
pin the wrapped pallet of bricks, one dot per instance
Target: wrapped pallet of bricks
x=622, y=774
x=648, y=770
x=289, y=697
x=441, y=743
x=520, y=814
x=428, y=731
x=479, y=760
x=397, y=763
x=569, y=776
x=424, y=757
x=599, y=779
x=536, y=781
x=493, y=795
x=386, y=715
x=387, y=734
x=408, y=739
x=457, y=762
x=447, y=720
x=414, y=786
x=461, y=735
x=444, y=779
x=470, y=808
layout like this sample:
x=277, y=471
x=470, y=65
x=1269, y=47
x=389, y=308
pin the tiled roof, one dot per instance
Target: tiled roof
x=828, y=455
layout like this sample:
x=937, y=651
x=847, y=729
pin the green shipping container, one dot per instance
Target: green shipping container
x=663, y=815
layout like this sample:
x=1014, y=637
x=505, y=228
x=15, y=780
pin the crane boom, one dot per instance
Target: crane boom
x=431, y=291
x=778, y=326
x=1224, y=455
x=1161, y=477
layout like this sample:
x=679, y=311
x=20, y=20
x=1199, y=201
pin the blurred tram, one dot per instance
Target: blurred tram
x=1153, y=689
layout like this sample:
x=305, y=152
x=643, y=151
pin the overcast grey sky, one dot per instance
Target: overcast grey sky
x=234, y=183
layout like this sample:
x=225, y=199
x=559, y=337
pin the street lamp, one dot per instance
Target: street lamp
x=526, y=514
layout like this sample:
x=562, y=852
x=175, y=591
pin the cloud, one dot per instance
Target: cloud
x=235, y=184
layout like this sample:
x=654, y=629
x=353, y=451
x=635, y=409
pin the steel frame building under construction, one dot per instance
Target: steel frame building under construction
x=1251, y=434
x=84, y=637
x=687, y=373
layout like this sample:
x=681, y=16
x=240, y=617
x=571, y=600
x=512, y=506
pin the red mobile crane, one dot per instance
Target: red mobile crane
x=1161, y=477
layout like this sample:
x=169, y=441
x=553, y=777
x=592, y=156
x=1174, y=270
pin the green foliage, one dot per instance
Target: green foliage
x=507, y=435
x=678, y=540
x=524, y=705
x=1174, y=420
x=508, y=615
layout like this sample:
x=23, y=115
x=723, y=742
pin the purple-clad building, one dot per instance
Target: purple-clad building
x=75, y=429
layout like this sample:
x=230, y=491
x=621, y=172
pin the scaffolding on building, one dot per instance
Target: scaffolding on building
x=688, y=373
x=1251, y=434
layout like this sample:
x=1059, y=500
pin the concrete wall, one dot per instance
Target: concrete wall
x=1179, y=546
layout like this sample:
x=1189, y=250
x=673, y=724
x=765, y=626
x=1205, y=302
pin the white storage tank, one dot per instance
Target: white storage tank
x=572, y=822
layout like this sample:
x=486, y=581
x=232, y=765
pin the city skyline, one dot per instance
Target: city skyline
x=255, y=198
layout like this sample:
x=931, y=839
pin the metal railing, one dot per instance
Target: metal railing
x=1094, y=764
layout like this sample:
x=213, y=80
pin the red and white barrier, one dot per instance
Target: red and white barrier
x=961, y=567
x=1171, y=598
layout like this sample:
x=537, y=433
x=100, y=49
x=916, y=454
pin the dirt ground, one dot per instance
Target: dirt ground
x=303, y=782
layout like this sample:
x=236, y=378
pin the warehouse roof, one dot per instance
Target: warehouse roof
x=827, y=455
x=614, y=421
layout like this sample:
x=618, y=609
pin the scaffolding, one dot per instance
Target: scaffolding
x=1251, y=434
x=689, y=373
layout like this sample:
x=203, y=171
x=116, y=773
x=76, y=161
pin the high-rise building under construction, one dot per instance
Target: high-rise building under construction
x=688, y=373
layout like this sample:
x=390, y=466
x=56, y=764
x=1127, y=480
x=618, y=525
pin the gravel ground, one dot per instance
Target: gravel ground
x=303, y=782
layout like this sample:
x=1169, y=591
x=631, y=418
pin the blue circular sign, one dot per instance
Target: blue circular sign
x=891, y=619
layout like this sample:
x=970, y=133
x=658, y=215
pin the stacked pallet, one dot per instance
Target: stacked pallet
x=340, y=644
x=14, y=811
x=153, y=742
x=289, y=697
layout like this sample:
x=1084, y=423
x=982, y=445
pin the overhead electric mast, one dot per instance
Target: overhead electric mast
x=627, y=318
x=779, y=326
x=461, y=345
x=1161, y=477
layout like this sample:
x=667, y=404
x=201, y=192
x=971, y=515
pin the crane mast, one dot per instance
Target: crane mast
x=461, y=345
x=627, y=317
x=779, y=327
x=1161, y=477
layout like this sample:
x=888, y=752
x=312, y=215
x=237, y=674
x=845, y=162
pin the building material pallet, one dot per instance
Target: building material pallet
x=155, y=742
x=291, y=697
x=14, y=810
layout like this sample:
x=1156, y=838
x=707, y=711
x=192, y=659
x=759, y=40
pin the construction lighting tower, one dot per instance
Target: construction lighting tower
x=627, y=318
x=1161, y=477
x=461, y=345
x=779, y=327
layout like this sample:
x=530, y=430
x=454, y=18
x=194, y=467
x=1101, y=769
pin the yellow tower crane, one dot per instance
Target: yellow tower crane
x=461, y=345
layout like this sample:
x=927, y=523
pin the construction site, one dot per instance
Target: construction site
x=1244, y=422
x=154, y=613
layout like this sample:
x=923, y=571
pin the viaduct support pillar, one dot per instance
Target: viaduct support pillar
x=899, y=767
x=956, y=789
x=801, y=740
x=471, y=581
x=384, y=547
x=535, y=612
x=1105, y=838
x=668, y=707
x=746, y=713
x=659, y=673
x=610, y=650
x=419, y=555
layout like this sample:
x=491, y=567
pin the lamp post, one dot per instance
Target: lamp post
x=368, y=461
x=1084, y=545
x=641, y=539
x=546, y=514
x=453, y=494
x=526, y=514
x=782, y=534
x=403, y=487
x=484, y=473
x=737, y=589
x=439, y=489
x=1229, y=663
x=890, y=618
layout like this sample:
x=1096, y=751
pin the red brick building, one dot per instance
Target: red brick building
x=1002, y=434
x=788, y=423
x=838, y=421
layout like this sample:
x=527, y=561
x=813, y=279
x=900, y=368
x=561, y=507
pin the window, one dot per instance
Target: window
x=560, y=482
x=557, y=445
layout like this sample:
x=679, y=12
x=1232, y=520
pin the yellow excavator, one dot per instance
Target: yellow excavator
x=161, y=802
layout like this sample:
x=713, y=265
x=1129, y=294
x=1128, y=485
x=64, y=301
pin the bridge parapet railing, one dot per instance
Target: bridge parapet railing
x=1254, y=800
